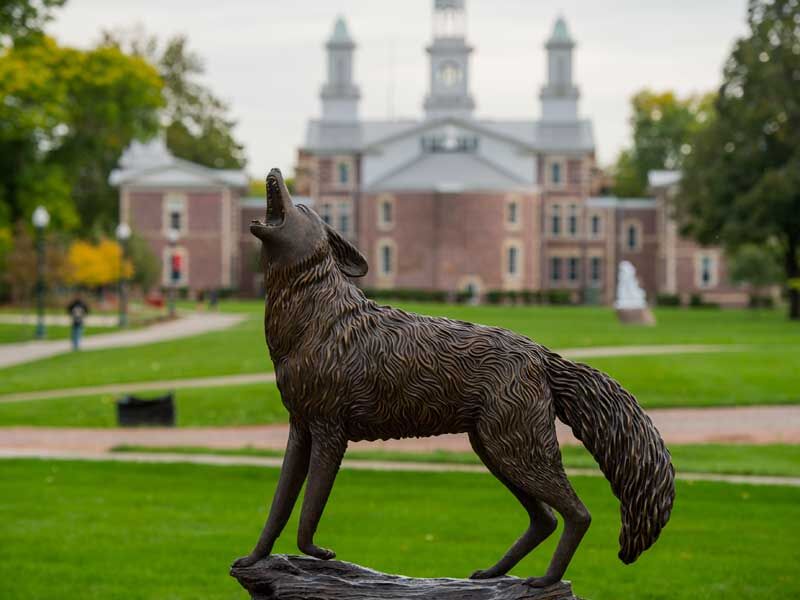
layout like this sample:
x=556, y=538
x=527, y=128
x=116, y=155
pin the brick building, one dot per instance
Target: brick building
x=447, y=202
x=453, y=202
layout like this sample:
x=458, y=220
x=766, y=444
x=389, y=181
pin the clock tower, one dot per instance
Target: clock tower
x=449, y=62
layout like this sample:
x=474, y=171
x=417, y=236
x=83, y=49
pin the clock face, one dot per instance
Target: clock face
x=450, y=74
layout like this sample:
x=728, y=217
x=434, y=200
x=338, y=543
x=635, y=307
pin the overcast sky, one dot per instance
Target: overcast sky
x=266, y=57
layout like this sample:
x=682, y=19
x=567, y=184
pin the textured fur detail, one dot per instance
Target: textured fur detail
x=350, y=369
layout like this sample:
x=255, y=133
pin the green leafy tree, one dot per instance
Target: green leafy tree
x=663, y=126
x=756, y=265
x=24, y=19
x=146, y=267
x=741, y=183
x=197, y=124
x=65, y=117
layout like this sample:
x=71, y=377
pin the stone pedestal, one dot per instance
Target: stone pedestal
x=636, y=316
x=282, y=577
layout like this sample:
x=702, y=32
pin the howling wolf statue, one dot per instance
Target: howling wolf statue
x=349, y=369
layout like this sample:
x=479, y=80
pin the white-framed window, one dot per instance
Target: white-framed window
x=345, y=218
x=555, y=172
x=595, y=269
x=706, y=270
x=513, y=212
x=596, y=225
x=555, y=268
x=175, y=266
x=512, y=261
x=175, y=212
x=326, y=213
x=555, y=220
x=573, y=268
x=632, y=235
x=385, y=210
x=386, y=252
x=343, y=173
x=572, y=220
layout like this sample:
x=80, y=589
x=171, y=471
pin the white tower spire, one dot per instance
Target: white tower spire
x=339, y=94
x=449, y=62
x=559, y=96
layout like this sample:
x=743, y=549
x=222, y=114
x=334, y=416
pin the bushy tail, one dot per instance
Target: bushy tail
x=625, y=443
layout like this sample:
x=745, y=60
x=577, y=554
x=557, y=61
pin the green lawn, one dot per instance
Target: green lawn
x=113, y=531
x=195, y=407
x=11, y=333
x=682, y=380
x=781, y=460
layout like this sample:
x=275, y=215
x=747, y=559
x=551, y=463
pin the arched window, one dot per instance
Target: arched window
x=632, y=237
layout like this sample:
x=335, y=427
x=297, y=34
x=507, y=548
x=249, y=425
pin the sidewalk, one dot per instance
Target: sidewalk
x=189, y=325
x=746, y=425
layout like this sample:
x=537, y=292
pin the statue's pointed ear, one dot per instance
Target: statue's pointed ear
x=348, y=258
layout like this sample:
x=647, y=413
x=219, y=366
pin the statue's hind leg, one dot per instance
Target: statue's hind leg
x=542, y=521
x=516, y=436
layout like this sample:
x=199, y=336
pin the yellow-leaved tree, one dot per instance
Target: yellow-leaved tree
x=96, y=265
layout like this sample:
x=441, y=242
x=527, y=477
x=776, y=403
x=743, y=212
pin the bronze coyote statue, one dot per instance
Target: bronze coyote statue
x=349, y=369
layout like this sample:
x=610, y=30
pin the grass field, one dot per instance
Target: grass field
x=746, y=377
x=14, y=333
x=731, y=459
x=130, y=531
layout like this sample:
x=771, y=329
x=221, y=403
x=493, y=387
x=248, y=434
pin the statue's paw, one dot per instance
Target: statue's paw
x=484, y=574
x=540, y=582
x=317, y=552
x=246, y=561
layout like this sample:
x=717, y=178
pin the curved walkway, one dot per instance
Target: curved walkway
x=185, y=326
x=747, y=425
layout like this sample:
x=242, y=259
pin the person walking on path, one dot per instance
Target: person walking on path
x=77, y=310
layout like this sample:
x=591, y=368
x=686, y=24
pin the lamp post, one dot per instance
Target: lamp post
x=174, y=274
x=41, y=218
x=123, y=235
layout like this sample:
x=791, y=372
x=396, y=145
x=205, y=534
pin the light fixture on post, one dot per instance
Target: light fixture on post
x=174, y=268
x=41, y=219
x=123, y=233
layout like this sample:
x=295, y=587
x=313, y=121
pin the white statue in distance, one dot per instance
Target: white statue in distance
x=630, y=295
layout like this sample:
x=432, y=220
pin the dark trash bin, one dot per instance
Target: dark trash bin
x=133, y=411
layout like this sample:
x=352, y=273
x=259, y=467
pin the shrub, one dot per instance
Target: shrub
x=494, y=296
x=668, y=300
x=757, y=301
x=558, y=297
x=696, y=301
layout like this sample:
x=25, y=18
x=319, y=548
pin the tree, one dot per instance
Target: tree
x=146, y=266
x=756, y=265
x=197, y=124
x=663, y=126
x=23, y=19
x=65, y=117
x=96, y=265
x=20, y=273
x=741, y=183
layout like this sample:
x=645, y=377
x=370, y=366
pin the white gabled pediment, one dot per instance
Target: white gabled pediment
x=170, y=176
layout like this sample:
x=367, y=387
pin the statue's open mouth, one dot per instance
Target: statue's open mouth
x=276, y=213
x=276, y=208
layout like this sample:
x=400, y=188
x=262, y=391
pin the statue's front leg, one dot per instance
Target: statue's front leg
x=328, y=445
x=293, y=473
